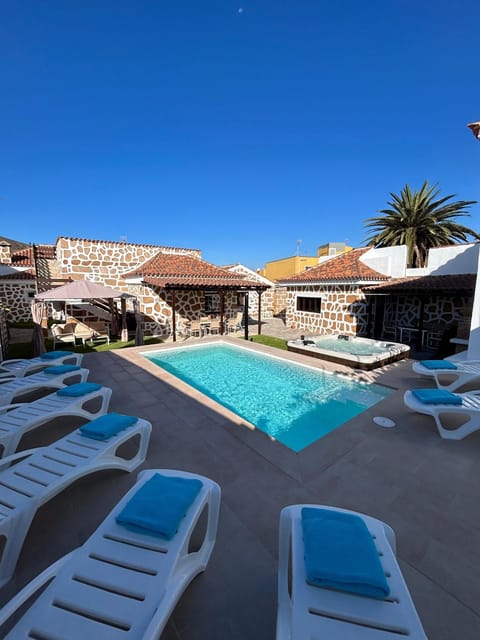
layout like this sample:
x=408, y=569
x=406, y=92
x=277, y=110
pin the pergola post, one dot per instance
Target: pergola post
x=124, y=336
x=245, y=316
x=259, y=293
x=174, y=314
x=114, y=327
x=222, y=312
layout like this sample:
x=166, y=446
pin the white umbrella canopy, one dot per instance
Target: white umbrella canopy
x=81, y=290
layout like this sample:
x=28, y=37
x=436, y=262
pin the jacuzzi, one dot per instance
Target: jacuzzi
x=359, y=353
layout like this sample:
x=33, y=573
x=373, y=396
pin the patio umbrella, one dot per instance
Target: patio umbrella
x=37, y=338
x=81, y=290
x=88, y=290
x=139, y=321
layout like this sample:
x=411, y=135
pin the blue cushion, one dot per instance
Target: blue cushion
x=107, y=426
x=437, y=396
x=340, y=553
x=61, y=368
x=159, y=505
x=438, y=364
x=53, y=355
x=79, y=389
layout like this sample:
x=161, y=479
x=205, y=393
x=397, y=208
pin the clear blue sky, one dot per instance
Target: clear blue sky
x=235, y=127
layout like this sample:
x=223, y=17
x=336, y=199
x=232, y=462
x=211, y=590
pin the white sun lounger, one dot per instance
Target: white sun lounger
x=465, y=373
x=17, y=387
x=16, y=420
x=44, y=472
x=469, y=409
x=21, y=367
x=309, y=612
x=120, y=584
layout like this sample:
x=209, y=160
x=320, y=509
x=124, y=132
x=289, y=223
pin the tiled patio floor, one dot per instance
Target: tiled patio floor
x=426, y=488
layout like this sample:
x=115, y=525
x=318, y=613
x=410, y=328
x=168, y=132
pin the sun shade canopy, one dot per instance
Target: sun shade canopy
x=82, y=290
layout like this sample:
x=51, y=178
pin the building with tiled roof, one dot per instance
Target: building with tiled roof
x=347, y=267
x=173, y=285
x=328, y=298
x=369, y=292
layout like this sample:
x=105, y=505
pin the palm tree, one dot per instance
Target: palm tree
x=419, y=220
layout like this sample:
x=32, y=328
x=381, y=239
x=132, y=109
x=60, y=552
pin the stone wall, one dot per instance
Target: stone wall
x=344, y=309
x=280, y=297
x=156, y=307
x=5, y=254
x=267, y=295
x=14, y=296
x=106, y=262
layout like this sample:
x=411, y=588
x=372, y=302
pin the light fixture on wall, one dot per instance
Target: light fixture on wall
x=475, y=129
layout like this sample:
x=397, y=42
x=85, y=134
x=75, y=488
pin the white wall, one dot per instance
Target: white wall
x=390, y=261
x=461, y=258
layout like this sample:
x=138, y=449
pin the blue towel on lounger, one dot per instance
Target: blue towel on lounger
x=340, y=554
x=61, y=368
x=53, y=355
x=437, y=396
x=159, y=505
x=438, y=364
x=106, y=426
x=79, y=389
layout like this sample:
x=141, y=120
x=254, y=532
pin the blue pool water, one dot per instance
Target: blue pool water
x=293, y=404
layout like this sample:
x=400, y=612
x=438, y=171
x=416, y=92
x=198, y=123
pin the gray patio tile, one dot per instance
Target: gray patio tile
x=443, y=616
x=427, y=489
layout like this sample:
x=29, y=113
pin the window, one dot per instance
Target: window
x=212, y=302
x=312, y=305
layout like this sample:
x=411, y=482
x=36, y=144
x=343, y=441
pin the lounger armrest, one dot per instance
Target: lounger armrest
x=31, y=588
x=15, y=360
x=6, y=376
x=8, y=407
x=18, y=456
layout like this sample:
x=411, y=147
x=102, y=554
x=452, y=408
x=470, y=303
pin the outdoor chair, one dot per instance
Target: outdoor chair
x=21, y=367
x=235, y=324
x=38, y=475
x=214, y=327
x=63, y=333
x=355, y=589
x=444, y=406
x=194, y=329
x=126, y=579
x=50, y=378
x=85, y=400
x=100, y=331
x=442, y=371
x=82, y=331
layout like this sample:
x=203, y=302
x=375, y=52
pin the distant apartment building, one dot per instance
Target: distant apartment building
x=293, y=265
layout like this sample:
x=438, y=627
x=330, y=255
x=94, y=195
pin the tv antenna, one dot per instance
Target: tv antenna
x=299, y=242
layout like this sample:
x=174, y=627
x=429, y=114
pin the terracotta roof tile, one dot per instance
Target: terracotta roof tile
x=19, y=275
x=181, y=270
x=448, y=283
x=346, y=266
x=24, y=257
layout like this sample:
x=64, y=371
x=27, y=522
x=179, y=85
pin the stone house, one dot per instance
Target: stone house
x=370, y=292
x=167, y=281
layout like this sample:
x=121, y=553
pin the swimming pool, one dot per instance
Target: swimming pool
x=293, y=404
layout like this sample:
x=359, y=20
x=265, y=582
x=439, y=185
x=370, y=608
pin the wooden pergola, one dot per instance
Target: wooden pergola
x=213, y=285
x=186, y=272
